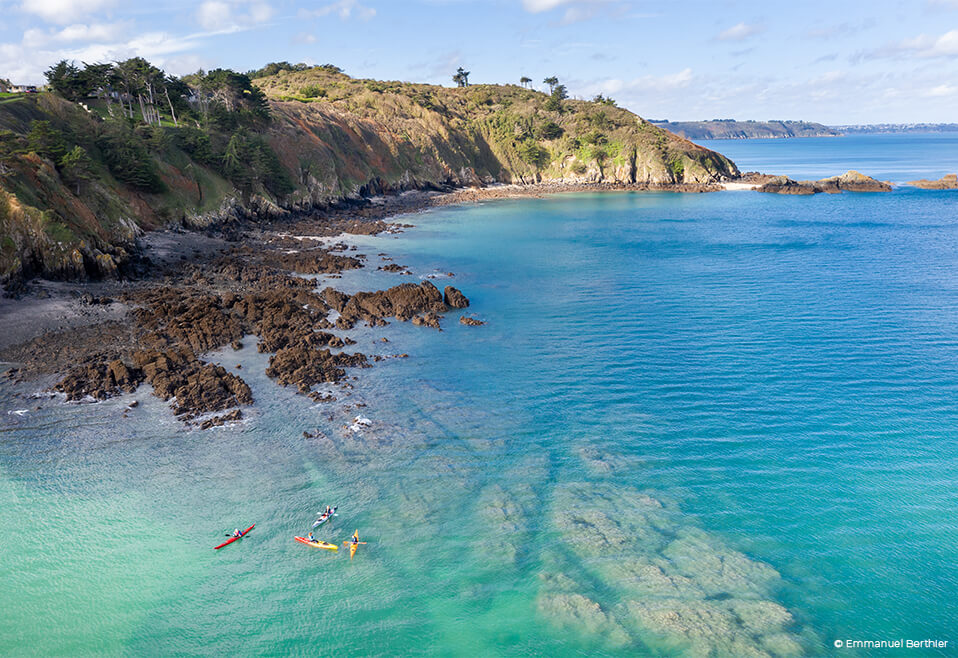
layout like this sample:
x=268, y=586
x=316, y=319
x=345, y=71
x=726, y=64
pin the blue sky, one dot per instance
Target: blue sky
x=834, y=62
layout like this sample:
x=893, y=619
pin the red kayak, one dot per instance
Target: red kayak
x=232, y=539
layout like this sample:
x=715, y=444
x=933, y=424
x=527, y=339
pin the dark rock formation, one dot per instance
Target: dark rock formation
x=198, y=387
x=785, y=185
x=99, y=379
x=313, y=261
x=173, y=316
x=403, y=302
x=454, y=298
x=304, y=367
x=470, y=322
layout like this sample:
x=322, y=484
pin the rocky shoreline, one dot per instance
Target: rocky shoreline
x=206, y=291
x=199, y=291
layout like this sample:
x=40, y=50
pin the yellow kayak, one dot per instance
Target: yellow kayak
x=354, y=544
x=317, y=543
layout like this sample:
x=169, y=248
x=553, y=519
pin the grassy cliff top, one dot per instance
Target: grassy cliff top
x=571, y=139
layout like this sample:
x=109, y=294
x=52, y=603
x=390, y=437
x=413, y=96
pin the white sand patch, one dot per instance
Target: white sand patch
x=738, y=187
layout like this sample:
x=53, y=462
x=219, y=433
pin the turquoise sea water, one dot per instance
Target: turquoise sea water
x=718, y=424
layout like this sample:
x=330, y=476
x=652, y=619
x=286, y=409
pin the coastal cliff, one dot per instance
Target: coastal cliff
x=79, y=184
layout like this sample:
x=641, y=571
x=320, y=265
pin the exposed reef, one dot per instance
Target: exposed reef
x=850, y=181
x=407, y=301
x=947, y=182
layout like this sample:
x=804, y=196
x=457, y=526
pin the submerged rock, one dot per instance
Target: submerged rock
x=715, y=628
x=217, y=421
x=575, y=611
x=663, y=581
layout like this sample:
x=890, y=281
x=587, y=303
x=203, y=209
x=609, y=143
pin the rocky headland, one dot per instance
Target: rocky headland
x=81, y=181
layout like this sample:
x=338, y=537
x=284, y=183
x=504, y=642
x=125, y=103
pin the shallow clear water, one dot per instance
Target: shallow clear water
x=694, y=423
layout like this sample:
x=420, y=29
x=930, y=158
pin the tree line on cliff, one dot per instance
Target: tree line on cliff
x=214, y=116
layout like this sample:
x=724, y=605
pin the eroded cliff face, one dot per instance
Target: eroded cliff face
x=357, y=142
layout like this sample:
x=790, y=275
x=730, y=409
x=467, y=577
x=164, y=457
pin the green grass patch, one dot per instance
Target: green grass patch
x=59, y=232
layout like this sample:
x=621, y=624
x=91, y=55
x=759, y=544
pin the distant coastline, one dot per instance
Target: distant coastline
x=887, y=128
x=733, y=129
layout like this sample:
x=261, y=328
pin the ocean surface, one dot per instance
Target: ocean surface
x=694, y=424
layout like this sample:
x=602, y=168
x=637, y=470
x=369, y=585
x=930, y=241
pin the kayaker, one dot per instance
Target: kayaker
x=237, y=533
x=310, y=537
x=329, y=511
x=356, y=538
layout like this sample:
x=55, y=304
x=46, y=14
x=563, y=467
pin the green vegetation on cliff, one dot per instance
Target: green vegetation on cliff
x=124, y=148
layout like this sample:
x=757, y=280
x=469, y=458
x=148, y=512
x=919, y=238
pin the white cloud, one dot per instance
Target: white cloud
x=25, y=62
x=739, y=32
x=928, y=46
x=96, y=32
x=537, y=6
x=64, y=11
x=924, y=46
x=942, y=91
x=667, y=82
x=345, y=9
x=576, y=10
x=221, y=16
x=213, y=15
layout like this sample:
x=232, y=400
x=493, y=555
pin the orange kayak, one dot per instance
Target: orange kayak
x=354, y=544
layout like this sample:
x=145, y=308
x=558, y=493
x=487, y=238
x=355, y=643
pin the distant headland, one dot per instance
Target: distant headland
x=732, y=129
